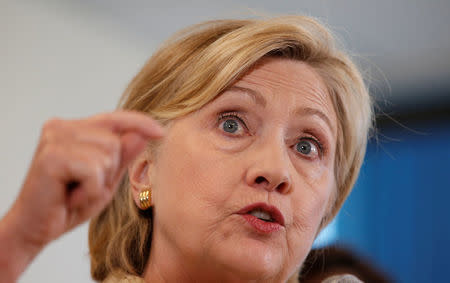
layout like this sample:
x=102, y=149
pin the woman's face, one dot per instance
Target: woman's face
x=240, y=186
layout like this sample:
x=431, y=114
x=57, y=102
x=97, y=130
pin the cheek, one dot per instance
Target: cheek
x=311, y=200
x=308, y=215
x=308, y=210
x=192, y=180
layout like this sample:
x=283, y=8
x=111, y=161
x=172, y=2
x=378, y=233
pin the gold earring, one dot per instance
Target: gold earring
x=145, y=198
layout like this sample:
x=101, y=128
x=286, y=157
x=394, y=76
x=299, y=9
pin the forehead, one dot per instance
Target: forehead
x=291, y=76
x=289, y=83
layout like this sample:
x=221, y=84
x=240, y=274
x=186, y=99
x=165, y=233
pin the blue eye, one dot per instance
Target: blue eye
x=232, y=123
x=307, y=147
x=230, y=126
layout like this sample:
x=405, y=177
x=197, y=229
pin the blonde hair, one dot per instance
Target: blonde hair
x=195, y=66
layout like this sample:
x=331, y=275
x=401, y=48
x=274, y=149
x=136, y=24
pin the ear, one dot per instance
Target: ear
x=139, y=176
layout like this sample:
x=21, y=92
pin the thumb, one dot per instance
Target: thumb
x=132, y=145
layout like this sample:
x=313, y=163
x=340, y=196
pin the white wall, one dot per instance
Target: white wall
x=55, y=62
x=71, y=58
x=66, y=59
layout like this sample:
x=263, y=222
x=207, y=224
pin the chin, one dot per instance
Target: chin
x=253, y=259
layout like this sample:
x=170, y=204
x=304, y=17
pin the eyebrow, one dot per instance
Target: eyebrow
x=256, y=96
x=303, y=111
x=307, y=111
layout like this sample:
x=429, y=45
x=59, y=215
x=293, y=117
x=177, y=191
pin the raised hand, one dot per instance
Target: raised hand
x=75, y=171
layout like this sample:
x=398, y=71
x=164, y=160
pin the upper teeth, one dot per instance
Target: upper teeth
x=261, y=214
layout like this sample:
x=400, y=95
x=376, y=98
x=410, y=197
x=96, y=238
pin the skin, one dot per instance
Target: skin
x=202, y=175
x=95, y=152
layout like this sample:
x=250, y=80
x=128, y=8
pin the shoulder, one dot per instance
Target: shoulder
x=123, y=279
x=345, y=278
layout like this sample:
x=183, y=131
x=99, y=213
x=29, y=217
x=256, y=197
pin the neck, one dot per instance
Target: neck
x=156, y=273
x=166, y=264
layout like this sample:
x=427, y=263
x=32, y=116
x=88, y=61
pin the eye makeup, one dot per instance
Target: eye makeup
x=317, y=138
x=315, y=150
x=232, y=116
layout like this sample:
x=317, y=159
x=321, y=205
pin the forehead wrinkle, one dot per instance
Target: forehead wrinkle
x=308, y=85
x=317, y=97
x=253, y=94
x=307, y=89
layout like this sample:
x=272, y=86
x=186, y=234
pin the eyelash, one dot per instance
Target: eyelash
x=232, y=114
x=314, y=140
x=309, y=137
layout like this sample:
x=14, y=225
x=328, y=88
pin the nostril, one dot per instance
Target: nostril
x=260, y=179
x=283, y=187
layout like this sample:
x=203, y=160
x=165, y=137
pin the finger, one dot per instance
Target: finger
x=132, y=145
x=100, y=137
x=86, y=210
x=104, y=141
x=107, y=159
x=123, y=149
x=71, y=134
x=57, y=165
x=89, y=167
x=126, y=121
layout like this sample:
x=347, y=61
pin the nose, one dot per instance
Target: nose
x=269, y=169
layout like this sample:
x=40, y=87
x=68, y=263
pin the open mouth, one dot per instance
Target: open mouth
x=262, y=214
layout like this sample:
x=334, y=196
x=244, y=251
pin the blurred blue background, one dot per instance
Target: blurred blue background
x=73, y=58
x=398, y=213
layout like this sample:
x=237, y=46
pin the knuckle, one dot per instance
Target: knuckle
x=97, y=182
x=51, y=124
x=107, y=162
x=96, y=168
x=49, y=159
x=99, y=161
x=49, y=129
x=48, y=153
x=113, y=146
x=97, y=172
x=47, y=136
x=101, y=116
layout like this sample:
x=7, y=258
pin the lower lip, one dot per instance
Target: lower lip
x=261, y=225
